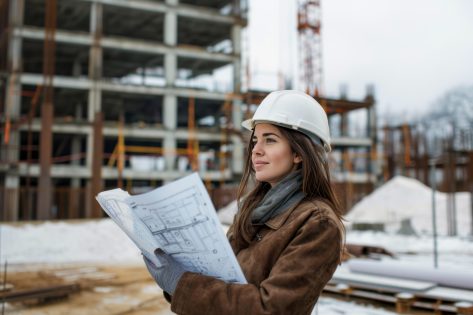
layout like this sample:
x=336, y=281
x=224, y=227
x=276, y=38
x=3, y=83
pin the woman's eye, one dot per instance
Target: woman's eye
x=270, y=140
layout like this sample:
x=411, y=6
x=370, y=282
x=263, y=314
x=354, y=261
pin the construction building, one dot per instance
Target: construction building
x=88, y=82
x=99, y=94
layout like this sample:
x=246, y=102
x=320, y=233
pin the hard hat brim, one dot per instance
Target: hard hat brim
x=247, y=124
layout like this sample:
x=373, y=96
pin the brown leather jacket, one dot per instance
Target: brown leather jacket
x=287, y=265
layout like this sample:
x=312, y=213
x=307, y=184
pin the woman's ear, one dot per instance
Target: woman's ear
x=297, y=159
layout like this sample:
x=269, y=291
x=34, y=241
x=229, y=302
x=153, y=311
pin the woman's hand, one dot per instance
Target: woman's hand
x=167, y=276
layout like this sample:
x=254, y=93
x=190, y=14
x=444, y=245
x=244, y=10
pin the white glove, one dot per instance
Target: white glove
x=166, y=276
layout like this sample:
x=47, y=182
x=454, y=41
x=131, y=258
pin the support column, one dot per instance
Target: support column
x=170, y=39
x=373, y=163
x=170, y=124
x=236, y=43
x=470, y=188
x=11, y=198
x=170, y=73
x=372, y=158
x=11, y=141
x=170, y=69
x=237, y=114
x=95, y=116
x=237, y=143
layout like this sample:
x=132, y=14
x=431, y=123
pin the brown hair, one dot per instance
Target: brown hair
x=315, y=183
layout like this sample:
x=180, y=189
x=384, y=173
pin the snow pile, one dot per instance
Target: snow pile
x=93, y=241
x=227, y=213
x=405, y=198
x=330, y=306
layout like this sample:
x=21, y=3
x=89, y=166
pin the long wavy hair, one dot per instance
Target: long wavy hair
x=315, y=183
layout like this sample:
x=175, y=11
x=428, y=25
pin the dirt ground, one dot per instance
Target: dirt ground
x=103, y=290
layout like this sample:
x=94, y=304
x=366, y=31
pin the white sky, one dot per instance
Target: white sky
x=413, y=51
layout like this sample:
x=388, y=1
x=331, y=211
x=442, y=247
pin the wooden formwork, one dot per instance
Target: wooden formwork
x=404, y=302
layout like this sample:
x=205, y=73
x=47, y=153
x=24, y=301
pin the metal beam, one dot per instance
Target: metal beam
x=47, y=113
x=96, y=182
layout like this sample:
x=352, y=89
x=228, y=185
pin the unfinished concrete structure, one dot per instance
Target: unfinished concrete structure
x=98, y=93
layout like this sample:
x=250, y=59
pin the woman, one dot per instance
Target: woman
x=288, y=233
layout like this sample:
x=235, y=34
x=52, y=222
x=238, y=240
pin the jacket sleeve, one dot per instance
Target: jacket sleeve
x=292, y=287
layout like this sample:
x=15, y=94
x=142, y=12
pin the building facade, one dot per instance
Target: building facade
x=104, y=93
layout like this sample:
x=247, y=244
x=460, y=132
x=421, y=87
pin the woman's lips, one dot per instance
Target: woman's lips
x=259, y=164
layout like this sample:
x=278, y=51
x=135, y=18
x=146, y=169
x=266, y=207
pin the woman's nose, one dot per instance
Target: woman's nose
x=257, y=149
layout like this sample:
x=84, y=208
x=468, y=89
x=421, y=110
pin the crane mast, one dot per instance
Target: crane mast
x=310, y=46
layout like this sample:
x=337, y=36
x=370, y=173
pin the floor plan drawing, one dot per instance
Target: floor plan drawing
x=181, y=220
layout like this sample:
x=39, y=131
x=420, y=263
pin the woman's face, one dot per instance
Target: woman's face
x=272, y=156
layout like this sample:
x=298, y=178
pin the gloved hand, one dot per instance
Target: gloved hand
x=166, y=276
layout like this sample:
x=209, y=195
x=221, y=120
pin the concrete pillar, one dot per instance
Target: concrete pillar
x=170, y=124
x=237, y=143
x=344, y=125
x=95, y=61
x=10, y=198
x=170, y=28
x=170, y=39
x=12, y=110
x=237, y=114
x=170, y=69
x=170, y=101
x=236, y=43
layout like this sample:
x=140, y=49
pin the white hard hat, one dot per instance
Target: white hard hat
x=295, y=110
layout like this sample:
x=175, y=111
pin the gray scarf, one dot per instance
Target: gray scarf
x=279, y=198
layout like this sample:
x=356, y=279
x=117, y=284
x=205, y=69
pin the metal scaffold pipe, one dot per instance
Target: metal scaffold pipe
x=47, y=113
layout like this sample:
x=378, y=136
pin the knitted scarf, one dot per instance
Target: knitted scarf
x=279, y=198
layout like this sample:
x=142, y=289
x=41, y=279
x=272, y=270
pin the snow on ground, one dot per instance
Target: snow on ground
x=102, y=242
x=404, y=198
x=452, y=251
x=90, y=241
x=329, y=306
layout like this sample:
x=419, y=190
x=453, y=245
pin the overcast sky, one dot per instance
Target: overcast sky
x=412, y=51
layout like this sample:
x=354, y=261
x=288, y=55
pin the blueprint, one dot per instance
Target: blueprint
x=179, y=218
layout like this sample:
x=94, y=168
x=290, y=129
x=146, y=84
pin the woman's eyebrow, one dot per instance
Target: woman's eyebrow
x=267, y=134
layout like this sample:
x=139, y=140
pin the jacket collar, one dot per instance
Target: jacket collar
x=276, y=222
